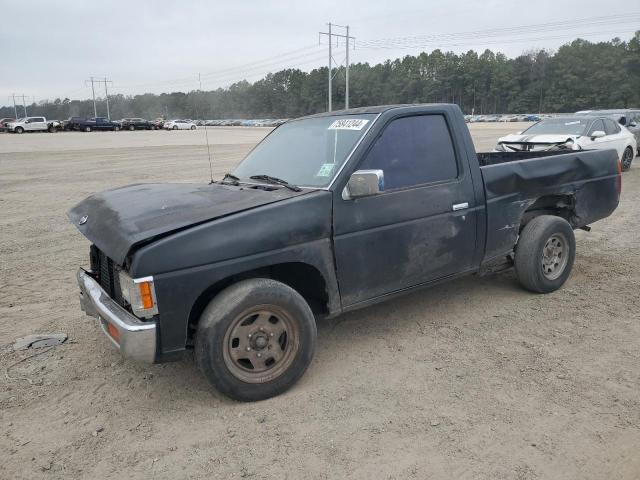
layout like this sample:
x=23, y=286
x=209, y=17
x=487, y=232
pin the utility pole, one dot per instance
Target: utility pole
x=347, y=38
x=106, y=94
x=24, y=105
x=15, y=110
x=346, y=73
x=93, y=91
x=330, y=76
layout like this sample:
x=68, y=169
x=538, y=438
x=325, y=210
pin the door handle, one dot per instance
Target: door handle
x=459, y=206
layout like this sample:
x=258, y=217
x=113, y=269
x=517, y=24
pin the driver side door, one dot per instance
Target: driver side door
x=422, y=227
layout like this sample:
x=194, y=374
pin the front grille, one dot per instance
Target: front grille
x=107, y=273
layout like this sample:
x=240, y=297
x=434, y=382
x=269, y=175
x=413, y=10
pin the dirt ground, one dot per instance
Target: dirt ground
x=474, y=379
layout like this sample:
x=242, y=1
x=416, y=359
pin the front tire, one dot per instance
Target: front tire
x=545, y=254
x=175, y=127
x=627, y=158
x=87, y=129
x=193, y=127
x=19, y=130
x=255, y=339
x=131, y=128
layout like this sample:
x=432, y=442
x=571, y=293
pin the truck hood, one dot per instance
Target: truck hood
x=117, y=220
x=539, y=142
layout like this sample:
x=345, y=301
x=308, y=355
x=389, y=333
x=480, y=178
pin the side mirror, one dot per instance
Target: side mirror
x=597, y=134
x=364, y=183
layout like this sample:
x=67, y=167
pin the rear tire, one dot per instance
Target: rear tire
x=545, y=254
x=131, y=128
x=627, y=158
x=255, y=339
x=87, y=129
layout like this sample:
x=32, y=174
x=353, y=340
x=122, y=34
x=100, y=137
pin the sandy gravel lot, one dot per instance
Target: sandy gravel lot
x=475, y=379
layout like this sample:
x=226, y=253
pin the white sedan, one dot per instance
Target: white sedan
x=179, y=125
x=573, y=133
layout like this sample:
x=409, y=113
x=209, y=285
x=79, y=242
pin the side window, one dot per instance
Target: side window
x=596, y=126
x=413, y=151
x=610, y=127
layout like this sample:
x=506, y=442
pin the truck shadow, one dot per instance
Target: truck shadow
x=422, y=312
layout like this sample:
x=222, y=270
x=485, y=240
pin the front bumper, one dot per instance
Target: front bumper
x=137, y=339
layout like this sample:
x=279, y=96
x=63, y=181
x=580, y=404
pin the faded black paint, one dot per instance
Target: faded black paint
x=192, y=237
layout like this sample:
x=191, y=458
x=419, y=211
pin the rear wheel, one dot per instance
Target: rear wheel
x=131, y=128
x=87, y=129
x=627, y=158
x=545, y=254
x=255, y=339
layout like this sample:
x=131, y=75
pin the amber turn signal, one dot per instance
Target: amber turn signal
x=113, y=331
x=146, y=295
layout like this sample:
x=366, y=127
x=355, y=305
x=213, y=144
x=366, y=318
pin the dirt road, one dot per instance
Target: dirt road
x=475, y=379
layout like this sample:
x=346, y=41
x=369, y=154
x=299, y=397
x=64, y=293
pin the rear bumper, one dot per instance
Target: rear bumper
x=136, y=339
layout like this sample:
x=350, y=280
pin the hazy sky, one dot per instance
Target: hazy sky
x=48, y=48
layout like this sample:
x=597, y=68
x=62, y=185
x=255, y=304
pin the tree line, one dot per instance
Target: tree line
x=579, y=75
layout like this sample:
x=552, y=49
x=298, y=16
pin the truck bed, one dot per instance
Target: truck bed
x=583, y=183
x=494, y=158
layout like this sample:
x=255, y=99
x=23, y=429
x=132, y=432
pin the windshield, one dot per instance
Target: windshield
x=306, y=152
x=559, y=126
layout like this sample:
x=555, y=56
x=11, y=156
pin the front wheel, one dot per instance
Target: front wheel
x=627, y=158
x=87, y=129
x=545, y=253
x=193, y=127
x=175, y=127
x=255, y=339
x=131, y=128
x=19, y=130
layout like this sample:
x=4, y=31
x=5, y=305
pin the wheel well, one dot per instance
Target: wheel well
x=302, y=277
x=558, y=205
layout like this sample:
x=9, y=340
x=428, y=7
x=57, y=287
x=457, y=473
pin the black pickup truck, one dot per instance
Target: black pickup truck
x=329, y=213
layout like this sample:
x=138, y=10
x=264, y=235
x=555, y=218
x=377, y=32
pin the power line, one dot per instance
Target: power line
x=493, y=42
x=497, y=32
x=286, y=56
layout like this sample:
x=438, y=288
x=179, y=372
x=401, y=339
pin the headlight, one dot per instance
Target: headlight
x=140, y=293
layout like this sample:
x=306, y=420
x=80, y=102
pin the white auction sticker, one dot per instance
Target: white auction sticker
x=348, y=124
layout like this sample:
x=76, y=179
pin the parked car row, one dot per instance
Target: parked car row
x=505, y=118
x=592, y=130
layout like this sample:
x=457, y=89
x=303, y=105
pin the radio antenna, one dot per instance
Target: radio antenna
x=206, y=135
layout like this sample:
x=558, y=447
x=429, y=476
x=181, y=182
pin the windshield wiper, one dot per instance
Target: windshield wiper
x=276, y=181
x=234, y=180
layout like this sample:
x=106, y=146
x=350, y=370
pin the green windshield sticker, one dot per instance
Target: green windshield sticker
x=326, y=170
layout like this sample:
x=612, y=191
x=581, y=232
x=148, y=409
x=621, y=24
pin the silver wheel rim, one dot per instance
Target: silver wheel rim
x=555, y=255
x=627, y=157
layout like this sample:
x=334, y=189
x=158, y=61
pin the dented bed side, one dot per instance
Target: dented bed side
x=584, y=185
